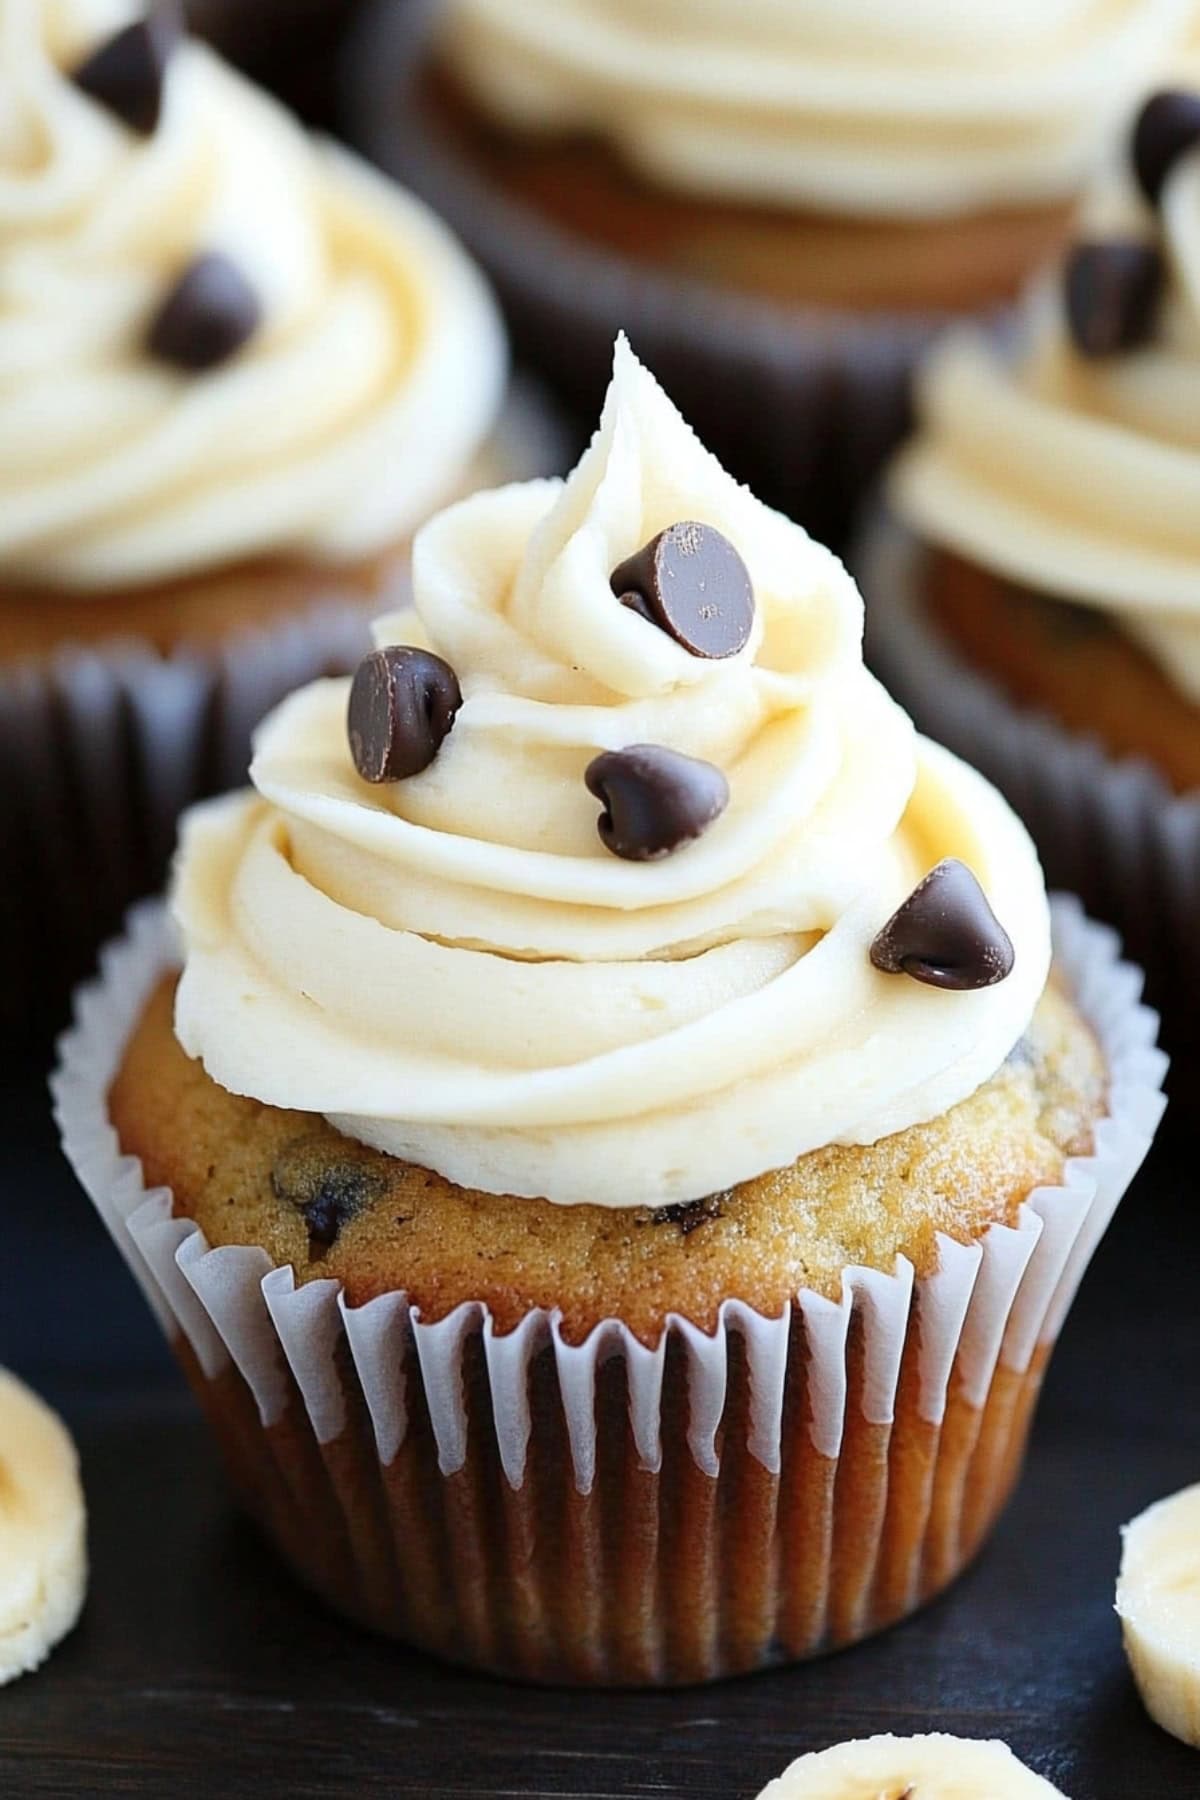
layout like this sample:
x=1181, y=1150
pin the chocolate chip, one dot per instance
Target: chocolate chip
x=689, y=1215
x=206, y=318
x=127, y=72
x=403, y=703
x=1167, y=127
x=945, y=934
x=655, y=800
x=328, y=1193
x=1112, y=294
x=692, y=584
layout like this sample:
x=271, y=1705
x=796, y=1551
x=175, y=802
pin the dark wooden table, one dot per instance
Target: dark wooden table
x=201, y=1670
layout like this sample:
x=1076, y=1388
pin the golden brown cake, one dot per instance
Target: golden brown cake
x=794, y=257
x=1070, y=661
x=253, y=1174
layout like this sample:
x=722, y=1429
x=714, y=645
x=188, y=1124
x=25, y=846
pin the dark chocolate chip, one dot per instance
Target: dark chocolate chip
x=688, y=1215
x=1112, y=293
x=655, y=800
x=206, y=318
x=328, y=1194
x=1167, y=127
x=691, y=582
x=403, y=703
x=945, y=934
x=128, y=71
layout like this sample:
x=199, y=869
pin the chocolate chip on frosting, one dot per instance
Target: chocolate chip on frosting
x=655, y=800
x=206, y=318
x=945, y=934
x=1167, y=127
x=403, y=703
x=128, y=71
x=692, y=584
x=1112, y=294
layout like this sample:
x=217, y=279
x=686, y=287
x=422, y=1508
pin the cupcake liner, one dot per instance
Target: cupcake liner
x=1109, y=828
x=608, y=1511
x=100, y=751
x=804, y=404
x=102, y=748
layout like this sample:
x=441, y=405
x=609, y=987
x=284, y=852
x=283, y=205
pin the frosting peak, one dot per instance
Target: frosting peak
x=455, y=968
x=373, y=372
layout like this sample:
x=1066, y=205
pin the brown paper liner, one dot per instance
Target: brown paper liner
x=101, y=749
x=664, y=1578
x=804, y=404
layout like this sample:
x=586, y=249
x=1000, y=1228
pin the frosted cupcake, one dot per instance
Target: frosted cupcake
x=780, y=203
x=237, y=370
x=1053, y=487
x=618, y=1154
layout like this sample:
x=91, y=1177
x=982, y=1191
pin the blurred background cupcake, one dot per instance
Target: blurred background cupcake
x=237, y=369
x=780, y=203
x=1040, y=610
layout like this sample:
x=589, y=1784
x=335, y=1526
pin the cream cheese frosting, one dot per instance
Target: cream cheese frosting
x=1078, y=476
x=376, y=373
x=452, y=968
x=853, y=106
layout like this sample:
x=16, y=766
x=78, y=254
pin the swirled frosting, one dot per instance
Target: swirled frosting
x=376, y=372
x=1078, y=476
x=852, y=106
x=454, y=969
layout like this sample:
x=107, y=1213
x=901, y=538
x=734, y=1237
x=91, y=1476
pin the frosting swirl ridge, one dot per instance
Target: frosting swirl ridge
x=854, y=106
x=454, y=969
x=373, y=377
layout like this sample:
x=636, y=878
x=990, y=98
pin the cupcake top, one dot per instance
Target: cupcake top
x=864, y=107
x=219, y=339
x=1069, y=460
x=613, y=876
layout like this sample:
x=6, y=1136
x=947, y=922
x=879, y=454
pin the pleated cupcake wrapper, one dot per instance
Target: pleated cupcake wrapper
x=102, y=748
x=802, y=403
x=1109, y=828
x=607, y=1511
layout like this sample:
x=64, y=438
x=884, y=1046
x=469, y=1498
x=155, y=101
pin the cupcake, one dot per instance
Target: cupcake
x=237, y=369
x=1040, y=609
x=779, y=203
x=618, y=1130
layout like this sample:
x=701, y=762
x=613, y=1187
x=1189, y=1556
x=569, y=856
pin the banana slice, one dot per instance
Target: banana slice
x=1158, y=1599
x=915, y=1768
x=43, y=1557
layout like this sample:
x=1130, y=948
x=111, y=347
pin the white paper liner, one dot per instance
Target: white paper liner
x=101, y=750
x=991, y=1303
x=1108, y=828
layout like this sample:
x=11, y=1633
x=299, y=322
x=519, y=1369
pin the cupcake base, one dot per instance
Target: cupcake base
x=607, y=1512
